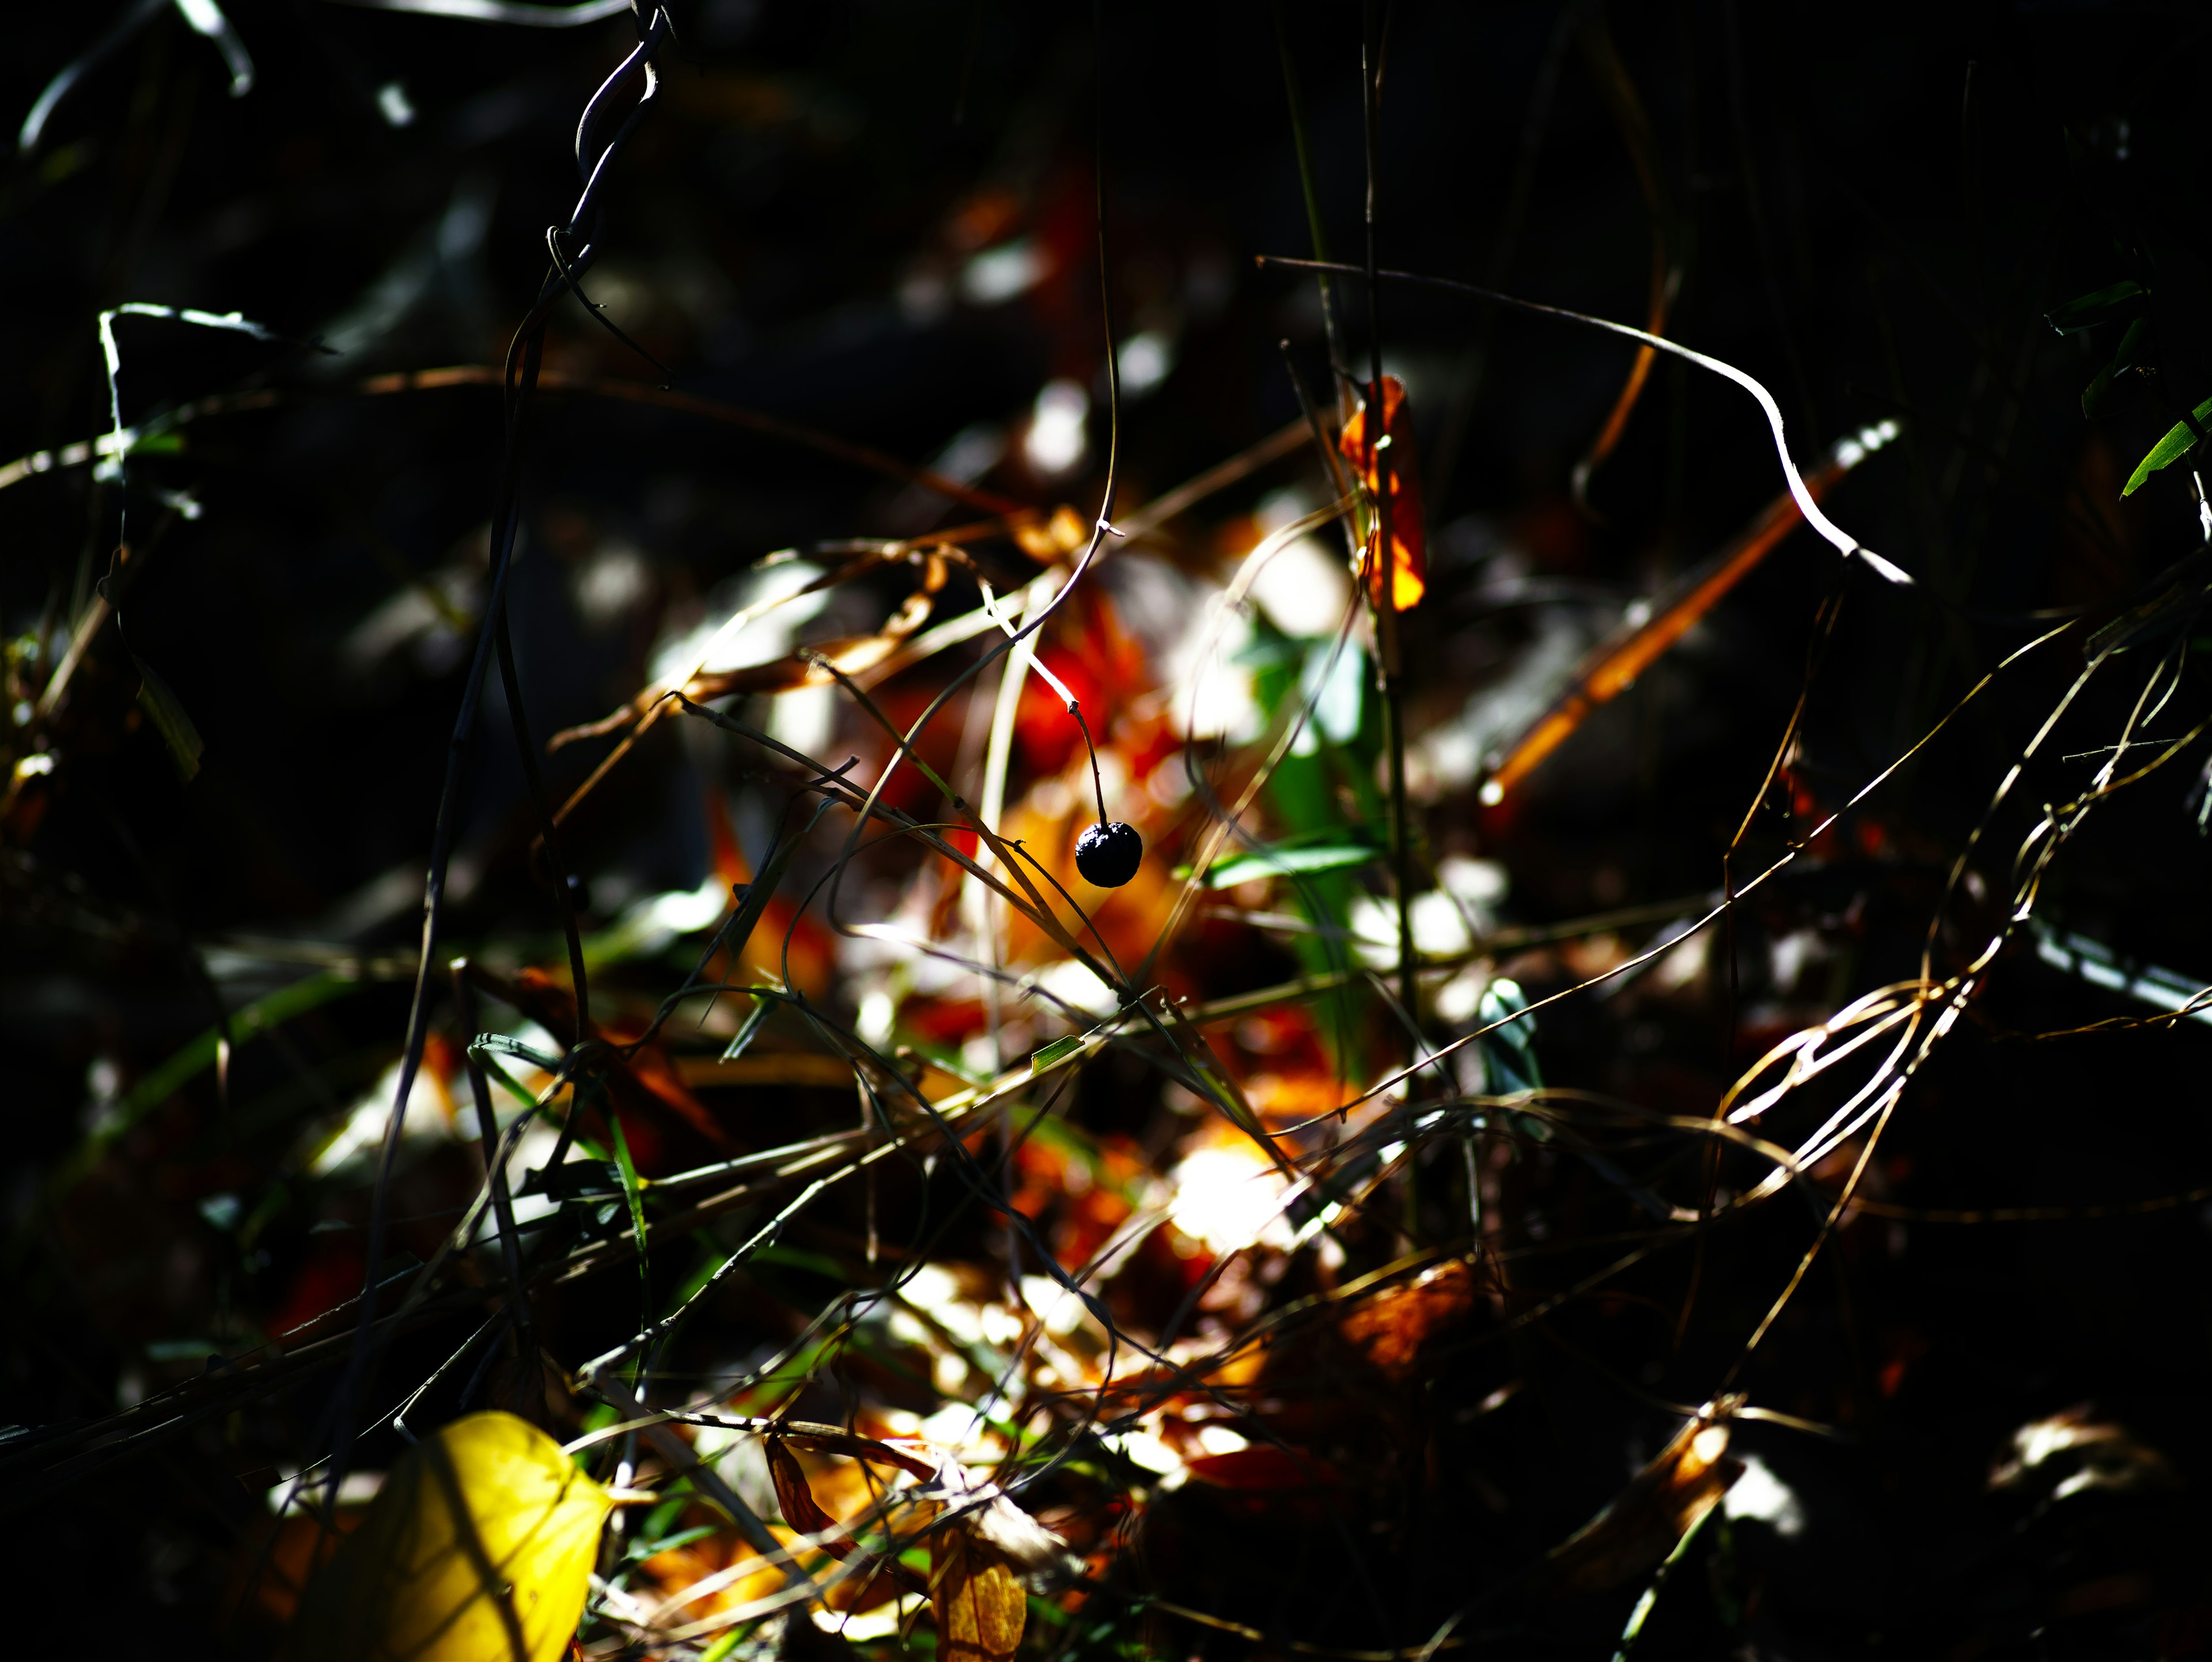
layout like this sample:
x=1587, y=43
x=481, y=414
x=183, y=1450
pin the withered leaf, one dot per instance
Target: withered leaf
x=800, y=1509
x=1390, y=1327
x=976, y=1599
x=1661, y=1504
x=878, y=1575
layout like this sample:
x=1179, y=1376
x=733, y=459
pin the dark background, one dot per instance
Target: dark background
x=1873, y=209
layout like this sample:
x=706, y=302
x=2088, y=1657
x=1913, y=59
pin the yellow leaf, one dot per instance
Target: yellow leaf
x=976, y=1599
x=479, y=1548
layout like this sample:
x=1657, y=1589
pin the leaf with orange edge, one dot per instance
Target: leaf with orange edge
x=1409, y=562
x=1634, y=1533
x=1610, y=667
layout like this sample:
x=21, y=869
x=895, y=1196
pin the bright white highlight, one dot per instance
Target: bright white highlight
x=1058, y=439
x=1759, y=1494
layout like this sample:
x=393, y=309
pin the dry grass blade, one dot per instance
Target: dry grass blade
x=1594, y=36
x=1653, y=626
x=1661, y=1505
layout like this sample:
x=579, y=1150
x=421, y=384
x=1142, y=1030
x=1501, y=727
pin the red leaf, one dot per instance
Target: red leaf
x=1264, y=1467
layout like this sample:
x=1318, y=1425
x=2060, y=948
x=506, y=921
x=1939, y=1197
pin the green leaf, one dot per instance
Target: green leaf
x=197, y=1055
x=2091, y=310
x=2123, y=359
x=1283, y=861
x=1054, y=1052
x=634, y=1192
x=794, y=1257
x=749, y=1031
x=167, y=715
x=2180, y=441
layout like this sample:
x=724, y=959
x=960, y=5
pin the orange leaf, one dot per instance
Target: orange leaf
x=1409, y=564
x=977, y=1600
x=1391, y=1326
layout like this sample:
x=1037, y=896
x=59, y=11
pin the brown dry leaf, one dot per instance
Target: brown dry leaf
x=675, y=1573
x=534, y=1388
x=286, y=1554
x=976, y=1599
x=851, y=654
x=1390, y=1327
x=1408, y=540
x=1662, y=1502
x=878, y=1578
x=644, y=1083
x=848, y=654
x=794, y=1497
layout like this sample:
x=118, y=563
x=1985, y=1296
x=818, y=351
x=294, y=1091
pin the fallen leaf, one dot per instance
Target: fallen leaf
x=976, y=1599
x=285, y=1555
x=1390, y=1326
x=1408, y=540
x=877, y=1580
x=479, y=1548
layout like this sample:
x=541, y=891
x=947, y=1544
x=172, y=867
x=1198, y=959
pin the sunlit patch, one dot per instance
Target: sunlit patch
x=1227, y=1196
x=2092, y=1454
x=1059, y=438
x=997, y=275
x=394, y=106
x=750, y=620
x=612, y=582
x=1760, y=1496
x=429, y=1120
x=1145, y=360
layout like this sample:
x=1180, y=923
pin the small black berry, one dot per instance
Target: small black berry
x=1107, y=855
